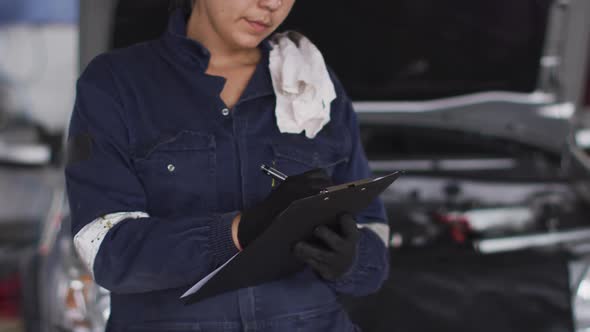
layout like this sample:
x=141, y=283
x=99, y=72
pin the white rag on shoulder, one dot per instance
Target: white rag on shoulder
x=302, y=85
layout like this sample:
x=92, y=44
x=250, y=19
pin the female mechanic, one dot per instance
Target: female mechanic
x=163, y=175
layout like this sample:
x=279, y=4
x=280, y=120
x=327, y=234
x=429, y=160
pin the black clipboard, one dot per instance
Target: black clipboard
x=270, y=257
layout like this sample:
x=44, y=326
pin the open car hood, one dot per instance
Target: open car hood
x=535, y=119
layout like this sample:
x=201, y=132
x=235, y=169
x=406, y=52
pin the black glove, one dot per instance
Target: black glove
x=256, y=219
x=334, y=257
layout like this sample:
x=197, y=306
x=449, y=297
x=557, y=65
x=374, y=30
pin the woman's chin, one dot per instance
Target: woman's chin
x=246, y=40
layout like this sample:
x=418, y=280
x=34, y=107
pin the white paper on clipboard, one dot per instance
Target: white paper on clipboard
x=203, y=281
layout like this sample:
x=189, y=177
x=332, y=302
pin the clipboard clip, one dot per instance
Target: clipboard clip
x=357, y=183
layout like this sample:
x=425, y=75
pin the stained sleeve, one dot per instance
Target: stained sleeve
x=126, y=249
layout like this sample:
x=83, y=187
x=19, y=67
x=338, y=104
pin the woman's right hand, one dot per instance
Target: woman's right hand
x=234, y=231
x=255, y=220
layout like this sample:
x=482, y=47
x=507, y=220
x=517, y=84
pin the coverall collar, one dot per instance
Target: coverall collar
x=191, y=50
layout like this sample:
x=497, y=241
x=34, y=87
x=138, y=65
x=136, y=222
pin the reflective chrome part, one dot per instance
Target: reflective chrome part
x=388, y=165
x=558, y=111
x=573, y=45
x=74, y=301
x=475, y=164
x=536, y=98
x=580, y=286
x=51, y=224
x=531, y=241
x=566, y=46
x=578, y=151
x=582, y=138
x=550, y=74
x=25, y=154
x=444, y=164
x=485, y=220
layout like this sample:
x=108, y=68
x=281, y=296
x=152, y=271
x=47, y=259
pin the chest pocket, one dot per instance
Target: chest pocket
x=297, y=155
x=178, y=175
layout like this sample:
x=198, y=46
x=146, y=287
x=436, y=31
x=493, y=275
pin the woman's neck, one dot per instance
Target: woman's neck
x=223, y=55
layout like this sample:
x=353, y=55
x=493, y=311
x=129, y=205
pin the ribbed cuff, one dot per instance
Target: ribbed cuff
x=369, y=270
x=221, y=242
x=356, y=267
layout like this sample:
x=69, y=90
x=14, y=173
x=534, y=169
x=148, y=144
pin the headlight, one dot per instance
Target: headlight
x=81, y=305
x=582, y=301
x=86, y=305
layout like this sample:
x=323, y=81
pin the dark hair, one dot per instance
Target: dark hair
x=184, y=4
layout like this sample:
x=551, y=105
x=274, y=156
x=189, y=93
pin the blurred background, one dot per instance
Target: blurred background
x=483, y=103
x=38, y=69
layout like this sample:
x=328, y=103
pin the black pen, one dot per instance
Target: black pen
x=273, y=172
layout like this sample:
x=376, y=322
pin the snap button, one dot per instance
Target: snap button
x=171, y=168
x=225, y=112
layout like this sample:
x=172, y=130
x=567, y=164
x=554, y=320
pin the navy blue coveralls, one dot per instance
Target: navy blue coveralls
x=164, y=142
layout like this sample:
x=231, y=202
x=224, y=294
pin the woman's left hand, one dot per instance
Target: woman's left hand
x=339, y=253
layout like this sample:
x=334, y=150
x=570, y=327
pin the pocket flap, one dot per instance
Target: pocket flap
x=185, y=140
x=312, y=155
